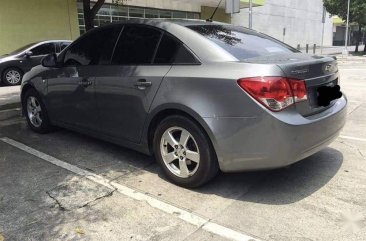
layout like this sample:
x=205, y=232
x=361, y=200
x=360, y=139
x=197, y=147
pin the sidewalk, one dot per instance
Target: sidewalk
x=329, y=50
x=10, y=106
x=9, y=97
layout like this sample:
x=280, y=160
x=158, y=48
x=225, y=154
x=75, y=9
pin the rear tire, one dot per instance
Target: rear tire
x=35, y=112
x=184, y=152
x=12, y=76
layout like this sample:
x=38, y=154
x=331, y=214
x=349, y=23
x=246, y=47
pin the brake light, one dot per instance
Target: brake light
x=298, y=89
x=275, y=93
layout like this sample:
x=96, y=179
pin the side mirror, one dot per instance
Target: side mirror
x=28, y=54
x=50, y=61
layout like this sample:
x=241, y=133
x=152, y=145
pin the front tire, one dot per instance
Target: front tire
x=184, y=152
x=12, y=76
x=35, y=112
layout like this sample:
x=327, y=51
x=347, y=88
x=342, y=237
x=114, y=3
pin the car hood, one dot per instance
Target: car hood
x=5, y=58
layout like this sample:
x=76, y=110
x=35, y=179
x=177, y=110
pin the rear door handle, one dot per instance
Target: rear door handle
x=85, y=82
x=141, y=84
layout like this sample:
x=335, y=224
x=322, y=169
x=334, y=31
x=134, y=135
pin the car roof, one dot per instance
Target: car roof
x=52, y=41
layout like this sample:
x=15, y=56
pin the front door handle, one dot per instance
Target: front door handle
x=85, y=82
x=141, y=84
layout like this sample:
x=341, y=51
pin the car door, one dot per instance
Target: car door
x=126, y=88
x=71, y=90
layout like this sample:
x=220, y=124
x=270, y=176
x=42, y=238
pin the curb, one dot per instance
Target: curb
x=10, y=111
x=10, y=106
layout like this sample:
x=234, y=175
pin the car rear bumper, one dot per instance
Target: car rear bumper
x=274, y=140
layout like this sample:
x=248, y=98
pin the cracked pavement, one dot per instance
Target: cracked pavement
x=320, y=198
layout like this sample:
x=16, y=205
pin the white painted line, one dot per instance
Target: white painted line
x=182, y=214
x=353, y=138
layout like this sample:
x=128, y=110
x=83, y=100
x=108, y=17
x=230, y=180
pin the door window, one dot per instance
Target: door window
x=44, y=49
x=94, y=48
x=136, y=45
x=63, y=45
x=172, y=51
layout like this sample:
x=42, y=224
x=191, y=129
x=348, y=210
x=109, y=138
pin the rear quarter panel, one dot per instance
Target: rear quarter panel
x=210, y=91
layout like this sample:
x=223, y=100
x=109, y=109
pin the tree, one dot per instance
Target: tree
x=90, y=13
x=357, y=14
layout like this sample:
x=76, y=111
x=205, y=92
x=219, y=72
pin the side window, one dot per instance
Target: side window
x=63, y=45
x=44, y=49
x=136, y=45
x=171, y=51
x=93, y=48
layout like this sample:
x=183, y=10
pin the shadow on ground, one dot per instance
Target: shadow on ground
x=296, y=182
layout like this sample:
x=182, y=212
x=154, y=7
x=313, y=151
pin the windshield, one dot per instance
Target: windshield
x=22, y=48
x=241, y=42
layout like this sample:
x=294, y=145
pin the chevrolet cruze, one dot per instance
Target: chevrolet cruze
x=200, y=96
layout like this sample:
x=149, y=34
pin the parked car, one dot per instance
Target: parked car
x=15, y=64
x=201, y=96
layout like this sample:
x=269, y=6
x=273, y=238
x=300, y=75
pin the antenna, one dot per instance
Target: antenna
x=213, y=14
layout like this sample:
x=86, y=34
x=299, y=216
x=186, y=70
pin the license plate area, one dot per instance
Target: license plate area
x=326, y=94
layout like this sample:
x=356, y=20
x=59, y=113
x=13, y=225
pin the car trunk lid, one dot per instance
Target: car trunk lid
x=316, y=71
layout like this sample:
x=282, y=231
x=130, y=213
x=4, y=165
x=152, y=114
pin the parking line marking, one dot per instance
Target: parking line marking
x=353, y=138
x=182, y=214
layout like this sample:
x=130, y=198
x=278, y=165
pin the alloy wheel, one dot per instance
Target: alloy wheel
x=34, y=111
x=13, y=77
x=180, y=152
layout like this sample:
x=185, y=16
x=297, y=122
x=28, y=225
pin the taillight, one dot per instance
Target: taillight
x=275, y=93
x=298, y=89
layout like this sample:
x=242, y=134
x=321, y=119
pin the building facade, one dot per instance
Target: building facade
x=291, y=21
x=26, y=21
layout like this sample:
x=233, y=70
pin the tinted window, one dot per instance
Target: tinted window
x=242, y=43
x=93, y=48
x=136, y=45
x=63, y=45
x=172, y=51
x=22, y=49
x=44, y=49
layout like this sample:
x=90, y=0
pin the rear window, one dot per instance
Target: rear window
x=171, y=51
x=242, y=43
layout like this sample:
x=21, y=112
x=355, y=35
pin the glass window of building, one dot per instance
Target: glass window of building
x=136, y=12
x=179, y=15
x=151, y=13
x=110, y=13
x=165, y=14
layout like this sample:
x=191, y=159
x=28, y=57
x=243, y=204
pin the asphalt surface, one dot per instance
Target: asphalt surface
x=67, y=186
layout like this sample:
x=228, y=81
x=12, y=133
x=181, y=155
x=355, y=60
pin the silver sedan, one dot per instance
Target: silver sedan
x=200, y=96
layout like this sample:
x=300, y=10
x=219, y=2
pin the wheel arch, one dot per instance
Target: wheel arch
x=25, y=88
x=168, y=110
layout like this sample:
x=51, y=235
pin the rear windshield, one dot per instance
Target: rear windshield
x=241, y=42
